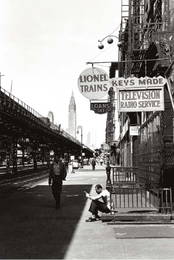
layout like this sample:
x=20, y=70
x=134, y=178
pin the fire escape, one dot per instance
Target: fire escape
x=131, y=53
x=131, y=49
x=146, y=36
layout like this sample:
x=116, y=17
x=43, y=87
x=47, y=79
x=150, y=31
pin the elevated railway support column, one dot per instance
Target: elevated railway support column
x=35, y=159
x=14, y=156
x=11, y=157
x=34, y=154
x=8, y=160
x=47, y=155
x=44, y=153
x=23, y=156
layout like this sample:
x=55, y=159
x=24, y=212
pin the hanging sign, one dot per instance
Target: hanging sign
x=138, y=82
x=140, y=94
x=134, y=130
x=93, y=83
x=100, y=107
x=137, y=100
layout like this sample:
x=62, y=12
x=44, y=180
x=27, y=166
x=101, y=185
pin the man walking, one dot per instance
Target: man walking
x=57, y=175
x=93, y=164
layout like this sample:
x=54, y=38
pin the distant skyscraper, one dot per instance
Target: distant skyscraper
x=72, y=116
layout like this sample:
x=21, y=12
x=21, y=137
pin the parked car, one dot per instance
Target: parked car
x=75, y=164
x=85, y=161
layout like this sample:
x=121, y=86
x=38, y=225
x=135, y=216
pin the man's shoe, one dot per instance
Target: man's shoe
x=97, y=217
x=90, y=219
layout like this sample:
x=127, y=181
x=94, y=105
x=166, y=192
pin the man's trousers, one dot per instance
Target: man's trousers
x=98, y=206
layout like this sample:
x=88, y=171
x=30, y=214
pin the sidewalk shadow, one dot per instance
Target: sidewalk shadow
x=31, y=227
x=91, y=170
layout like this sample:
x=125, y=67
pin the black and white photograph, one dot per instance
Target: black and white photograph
x=87, y=129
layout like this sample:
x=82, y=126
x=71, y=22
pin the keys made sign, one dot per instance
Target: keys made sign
x=144, y=94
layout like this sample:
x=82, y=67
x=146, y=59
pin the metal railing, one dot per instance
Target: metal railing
x=165, y=200
x=128, y=193
x=20, y=102
x=123, y=175
x=137, y=198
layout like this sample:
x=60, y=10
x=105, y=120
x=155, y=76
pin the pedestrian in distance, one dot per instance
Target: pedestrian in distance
x=93, y=164
x=56, y=176
x=101, y=161
x=108, y=173
x=100, y=202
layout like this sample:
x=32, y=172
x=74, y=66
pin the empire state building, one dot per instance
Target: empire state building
x=72, y=116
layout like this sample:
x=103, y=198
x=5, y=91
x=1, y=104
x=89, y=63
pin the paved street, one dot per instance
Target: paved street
x=32, y=228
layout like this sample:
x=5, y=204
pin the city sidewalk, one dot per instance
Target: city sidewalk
x=98, y=240
x=31, y=227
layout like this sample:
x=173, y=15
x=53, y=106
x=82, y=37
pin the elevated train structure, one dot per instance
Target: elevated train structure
x=27, y=138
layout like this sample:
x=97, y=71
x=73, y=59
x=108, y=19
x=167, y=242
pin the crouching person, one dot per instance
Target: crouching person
x=100, y=202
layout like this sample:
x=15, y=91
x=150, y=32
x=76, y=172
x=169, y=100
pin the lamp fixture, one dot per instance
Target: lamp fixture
x=109, y=40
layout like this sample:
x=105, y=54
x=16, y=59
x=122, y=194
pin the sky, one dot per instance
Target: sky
x=45, y=45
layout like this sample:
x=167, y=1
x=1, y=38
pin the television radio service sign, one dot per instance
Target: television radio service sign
x=140, y=94
x=93, y=83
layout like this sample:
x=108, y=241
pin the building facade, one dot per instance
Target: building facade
x=147, y=49
x=111, y=121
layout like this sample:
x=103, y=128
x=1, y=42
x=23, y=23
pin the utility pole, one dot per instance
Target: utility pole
x=81, y=129
x=11, y=86
x=1, y=75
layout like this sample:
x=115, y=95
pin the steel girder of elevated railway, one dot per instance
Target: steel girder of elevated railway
x=26, y=133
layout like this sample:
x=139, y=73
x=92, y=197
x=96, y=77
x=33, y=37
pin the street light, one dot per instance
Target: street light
x=109, y=40
x=1, y=75
x=81, y=130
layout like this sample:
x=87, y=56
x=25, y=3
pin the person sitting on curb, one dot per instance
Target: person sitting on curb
x=100, y=202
